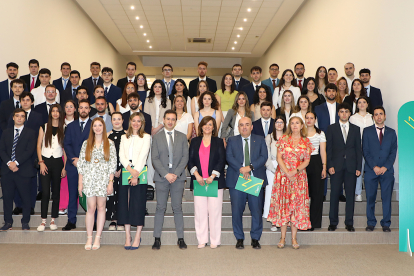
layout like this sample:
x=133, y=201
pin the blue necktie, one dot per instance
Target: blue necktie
x=64, y=85
x=16, y=138
x=266, y=127
x=74, y=93
x=106, y=92
x=237, y=85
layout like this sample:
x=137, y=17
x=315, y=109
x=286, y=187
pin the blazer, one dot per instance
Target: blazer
x=150, y=109
x=5, y=93
x=375, y=98
x=160, y=155
x=114, y=94
x=258, y=127
x=269, y=83
x=338, y=152
x=235, y=158
x=24, y=152
x=6, y=109
x=322, y=113
x=140, y=151
x=108, y=121
x=42, y=110
x=228, y=125
x=192, y=90
x=278, y=113
x=88, y=83
x=66, y=95
x=249, y=90
x=171, y=86
x=304, y=85
x=242, y=83
x=74, y=139
x=26, y=79
x=34, y=122
x=376, y=154
x=122, y=82
x=59, y=85
x=216, y=162
x=148, y=124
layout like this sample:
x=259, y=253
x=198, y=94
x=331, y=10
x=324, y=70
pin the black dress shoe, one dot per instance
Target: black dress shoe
x=350, y=228
x=25, y=226
x=157, y=244
x=342, y=198
x=386, y=229
x=146, y=211
x=256, y=244
x=239, y=244
x=332, y=228
x=311, y=229
x=32, y=211
x=369, y=228
x=6, y=227
x=181, y=244
x=69, y=226
x=39, y=196
x=17, y=211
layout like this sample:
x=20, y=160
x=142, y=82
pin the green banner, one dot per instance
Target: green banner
x=142, y=178
x=406, y=174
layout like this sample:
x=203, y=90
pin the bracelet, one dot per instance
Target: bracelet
x=41, y=161
x=111, y=180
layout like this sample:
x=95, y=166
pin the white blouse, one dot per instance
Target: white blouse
x=277, y=96
x=236, y=124
x=299, y=114
x=360, y=121
x=316, y=140
x=182, y=124
x=271, y=163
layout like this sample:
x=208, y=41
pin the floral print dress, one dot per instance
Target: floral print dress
x=96, y=173
x=290, y=199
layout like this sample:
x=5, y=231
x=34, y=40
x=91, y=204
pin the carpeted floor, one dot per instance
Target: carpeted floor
x=29, y=259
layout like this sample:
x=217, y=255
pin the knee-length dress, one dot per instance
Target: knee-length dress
x=95, y=174
x=290, y=199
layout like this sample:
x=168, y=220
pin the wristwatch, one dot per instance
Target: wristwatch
x=251, y=167
x=297, y=170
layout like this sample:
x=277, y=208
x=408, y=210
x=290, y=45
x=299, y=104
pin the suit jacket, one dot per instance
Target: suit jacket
x=304, y=85
x=24, y=152
x=269, y=83
x=66, y=95
x=150, y=109
x=376, y=154
x=34, y=122
x=249, y=90
x=258, y=127
x=6, y=109
x=26, y=79
x=171, y=86
x=122, y=82
x=74, y=139
x=324, y=120
x=228, y=124
x=42, y=110
x=160, y=155
x=375, y=98
x=140, y=150
x=114, y=94
x=5, y=93
x=242, y=83
x=338, y=152
x=192, y=91
x=279, y=113
x=216, y=162
x=59, y=85
x=235, y=158
x=88, y=83
x=148, y=124
x=108, y=121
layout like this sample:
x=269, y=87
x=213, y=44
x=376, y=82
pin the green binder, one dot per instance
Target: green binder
x=208, y=190
x=251, y=186
x=82, y=202
x=142, y=179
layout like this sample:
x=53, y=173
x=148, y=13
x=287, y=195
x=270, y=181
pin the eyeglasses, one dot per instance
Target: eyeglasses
x=274, y=69
x=167, y=70
x=279, y=123
x=141, y=79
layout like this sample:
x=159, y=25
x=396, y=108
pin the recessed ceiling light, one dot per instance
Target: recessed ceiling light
x=147, y=41
x=249, y=9
x=235, y=42
x=245, y=19
x=132, y=7
x=150, y=47
x=241, y=28
x=238, y=35
x=137, y=18
x=145, y=34
x=232, y=48
x=141, y=26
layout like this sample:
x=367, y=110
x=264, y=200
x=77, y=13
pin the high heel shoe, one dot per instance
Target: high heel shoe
x=295, y=244
x=135, y=248
x=129, y=246
x=281, y=244
x=88, y=246
x=99, y=246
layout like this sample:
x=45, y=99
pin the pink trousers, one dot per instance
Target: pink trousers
x=207, y=212
x=64, y=192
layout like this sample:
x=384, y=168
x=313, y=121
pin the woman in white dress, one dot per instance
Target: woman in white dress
x=303, y=107
x=287, y=82
x=185, y=121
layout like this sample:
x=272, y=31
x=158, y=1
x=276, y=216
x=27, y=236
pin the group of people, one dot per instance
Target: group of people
x=96, y=139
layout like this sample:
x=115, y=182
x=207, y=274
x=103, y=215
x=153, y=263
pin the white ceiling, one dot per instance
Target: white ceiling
x=169, y=23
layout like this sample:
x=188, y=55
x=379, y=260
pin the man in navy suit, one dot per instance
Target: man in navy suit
x=264, y=125
x=62, y=82
x=373, y=93
x=93, y=80
x=5, y=86
x=131, y=68
x=71, y=88
x=250, y=89
x=202, y=72
x=16, y=150
x=379, y=145
x=246, y=154
x=111, y=92
x=133, y=102
x=167, y=72
x=273, y=81
x=300, y=79
x=8, y=106
x=32, y=80
x=237, y=72
x=44, y=108
x=76, y=133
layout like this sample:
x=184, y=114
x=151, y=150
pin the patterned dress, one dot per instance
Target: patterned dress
x=96, y=173
x=290, y=199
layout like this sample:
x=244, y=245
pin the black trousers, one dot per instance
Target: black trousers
x=54, y=170
x=112, y=202
x=316, y=190
x=10, y=183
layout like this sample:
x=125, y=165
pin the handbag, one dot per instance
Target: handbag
x=150, y=193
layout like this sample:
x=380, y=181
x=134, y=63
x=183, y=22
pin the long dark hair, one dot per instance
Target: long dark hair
x=214, y=103
x=317, y=76
x=368, y=105
x=305, y=89
x=274, y=127
x=75, y=114
x=256, y=98
x=314, y=114
x=163, y=93
x=232, y=86
x=49, y=127
x=145, y=83
x=282, y=80
x=352, y=94
x=174, y=91
x=198, y=86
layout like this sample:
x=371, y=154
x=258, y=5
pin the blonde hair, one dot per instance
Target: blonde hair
x=141, y=129
x=235, y=107
x=338, y=97
x=303, y=131
x=292, y=103
x=185, y=103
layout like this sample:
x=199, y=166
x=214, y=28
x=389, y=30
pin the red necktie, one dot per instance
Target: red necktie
x=274, y=84
x=380, y=134
x=300, y=84
x=130, y=80
x=32, y=84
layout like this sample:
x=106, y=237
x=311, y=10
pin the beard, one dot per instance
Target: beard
x=133, y=107
x=12, y=77
x=84, y=115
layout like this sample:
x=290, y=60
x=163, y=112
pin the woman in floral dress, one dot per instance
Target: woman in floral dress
x=290, y=196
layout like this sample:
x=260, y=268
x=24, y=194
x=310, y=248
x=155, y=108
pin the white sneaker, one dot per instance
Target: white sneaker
x=53, y=226
x=273, y=228
x=120, y=228
x=41, y=227
x=358, y=198
x=63, y=212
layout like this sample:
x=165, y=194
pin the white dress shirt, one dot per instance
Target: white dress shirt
x=27, y=114
x=131, y=79
x=39, y=95
x=14, y=134
x=80, y=121
x=204, y=79
x=332, y=112
x=48, y=105
x=349, y=82
x=236, y=124
x=264, y=125
x=378, y=131
x=168, y=141
x=109, y=87
x=9, y=81
x=302, y=82
x=254, y=86
x=15, y=101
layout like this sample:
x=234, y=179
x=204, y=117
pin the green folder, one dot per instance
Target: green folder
x=142, y=179
x=251, y=186
x=208, y=190
x=82, y=202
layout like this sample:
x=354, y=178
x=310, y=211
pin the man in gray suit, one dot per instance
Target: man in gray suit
x=101, y=106
x=169, y=154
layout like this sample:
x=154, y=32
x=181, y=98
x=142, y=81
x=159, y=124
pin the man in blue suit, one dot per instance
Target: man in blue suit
x=71, y=88
x=76, y=133
x=93, y=80
x=246, y=154
x=8, y=106
x=44, y=108
x=167, y=72
x=5, y=86
x=264, y=125
x=62, y=82
x=273, y=81
x=379, y=146
x=111, y=92
x=373, y=93
x=237, y=72
x=250, y=89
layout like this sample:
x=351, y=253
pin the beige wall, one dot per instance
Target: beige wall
x=58, y=31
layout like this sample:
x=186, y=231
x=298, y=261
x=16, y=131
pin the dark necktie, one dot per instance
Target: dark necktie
x=246, y=153
x=300, y=84
x=16, y=138
x=274, y=84
x=74, y=93
x=106, y=92
x=101, y=117
x=48, y=110
x=237, y=85
x=380, y=134
x=256, y=87
x=17, y=104
x=94, y=82
x=82, y=124
x=170, y=149
x=11, y=93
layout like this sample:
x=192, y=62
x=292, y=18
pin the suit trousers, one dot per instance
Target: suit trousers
x=73, y=181
x=10, y=183
x=371, y=187
x=33, y=193
x=132, y=201
x=238, y=204
x=349, y=181
x=316, y=190
x=54, y=170
x=208, y=212
x=163, y=189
